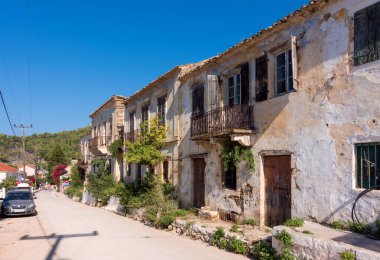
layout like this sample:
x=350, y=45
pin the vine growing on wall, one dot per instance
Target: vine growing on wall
x=116, y=147
x=232, y=153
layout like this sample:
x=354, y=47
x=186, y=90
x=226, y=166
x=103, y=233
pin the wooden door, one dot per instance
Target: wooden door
x=277, y=172
x=199, y=183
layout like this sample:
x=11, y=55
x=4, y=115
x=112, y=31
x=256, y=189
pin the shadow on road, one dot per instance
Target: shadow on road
x=58, y=239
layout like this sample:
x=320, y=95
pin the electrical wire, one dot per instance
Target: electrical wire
x=355, y=219
x=9, y=81
x=28, y=58
x=6, y=112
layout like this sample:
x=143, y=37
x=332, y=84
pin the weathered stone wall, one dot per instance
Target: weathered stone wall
x=333, y=108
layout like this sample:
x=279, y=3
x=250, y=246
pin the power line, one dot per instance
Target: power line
x=28, y=50
x=6, y=112
x=9, y=81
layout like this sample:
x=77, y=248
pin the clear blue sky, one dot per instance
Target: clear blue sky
x=84, y=51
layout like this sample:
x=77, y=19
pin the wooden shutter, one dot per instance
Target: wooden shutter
x=367, y=35
x=261, y=78
x=244, y=72
x=294, y=61
x=213, y=91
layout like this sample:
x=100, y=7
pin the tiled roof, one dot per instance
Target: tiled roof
x=6, y=168
x=113, y=97
x=303, y=12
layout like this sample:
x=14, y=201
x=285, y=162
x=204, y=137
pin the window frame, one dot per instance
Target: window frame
x=161, y=112
x=288, y=64
x=359, y=181
x=233, y=184
x=235, y=87
x=198, y=87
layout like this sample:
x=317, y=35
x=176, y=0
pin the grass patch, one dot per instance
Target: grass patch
x=234, y=228
x=294, y=222
x=250, y=222
x=337, y=224
x=347, y=255
x=285, y=238
x=263, y=251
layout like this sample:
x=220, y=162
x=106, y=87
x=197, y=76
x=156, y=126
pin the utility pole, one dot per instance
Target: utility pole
x=23, y=145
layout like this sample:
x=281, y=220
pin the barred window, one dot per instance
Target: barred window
x=367, y=34
x=367, y=165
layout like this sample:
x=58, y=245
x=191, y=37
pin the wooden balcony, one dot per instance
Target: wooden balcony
x=223, y=121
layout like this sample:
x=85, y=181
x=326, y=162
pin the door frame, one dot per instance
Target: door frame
x=193, y=178
x=263, y=154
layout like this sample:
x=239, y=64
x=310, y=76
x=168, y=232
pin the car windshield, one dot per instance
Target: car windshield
x=18, y=196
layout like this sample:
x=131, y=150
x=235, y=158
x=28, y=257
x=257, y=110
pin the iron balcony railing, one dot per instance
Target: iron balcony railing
x=222, y=120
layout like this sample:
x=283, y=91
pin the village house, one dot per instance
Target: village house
x=7, y=171
x=107, y=127
x=283, y=124
x=302, y=96
x=158, y=99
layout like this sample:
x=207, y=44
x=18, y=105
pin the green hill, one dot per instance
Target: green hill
x=41, y=145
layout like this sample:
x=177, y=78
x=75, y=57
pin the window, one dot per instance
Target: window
x=367, y=34
x=367, y=165
x=261, y=79
x=284, y=73
x=144, y=114
x=161, y=110
x=132, y=122
x=234, y=90
x=198, y=99
x=129, y=172
x=229, y=177
x=166, y=171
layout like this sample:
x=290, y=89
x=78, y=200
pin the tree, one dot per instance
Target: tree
x=146, y=150
x=56, y=157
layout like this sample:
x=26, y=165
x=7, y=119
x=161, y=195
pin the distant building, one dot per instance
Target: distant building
x=7, y=171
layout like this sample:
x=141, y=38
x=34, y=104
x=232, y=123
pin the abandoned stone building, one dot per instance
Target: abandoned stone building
x=299, y=96
x=107, y=126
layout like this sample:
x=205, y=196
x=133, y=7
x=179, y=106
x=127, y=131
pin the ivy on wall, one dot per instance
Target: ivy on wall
x=233, y=151
x=116, y=147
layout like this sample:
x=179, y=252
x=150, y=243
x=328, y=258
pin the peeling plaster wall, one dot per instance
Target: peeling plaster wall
x=334, y=107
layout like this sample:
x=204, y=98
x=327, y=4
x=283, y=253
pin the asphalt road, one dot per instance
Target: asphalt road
x=64, y=229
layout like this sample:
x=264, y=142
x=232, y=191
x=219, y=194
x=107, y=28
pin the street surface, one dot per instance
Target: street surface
x=64, y=229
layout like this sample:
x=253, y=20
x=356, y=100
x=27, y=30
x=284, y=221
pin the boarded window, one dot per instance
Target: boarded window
x=161, y=110
x=198, y=99
x=284, y=73
x=367, y=35
x=234, y=90
x=367, y=165
x=261, y=79
x=229, y=177
x=244, y=72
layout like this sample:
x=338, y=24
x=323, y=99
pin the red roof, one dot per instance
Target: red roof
x=6, y=168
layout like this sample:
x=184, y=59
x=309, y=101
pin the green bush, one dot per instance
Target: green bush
x=73, y=191
x=223, y=243
x=263, y=251
x=8, y=183
x=237, y=246
x=234, y=228
x=218, y=238
x=337, y=224
x=167, y=220
x=286, y=254
x=294, y=222
x=285, y=238
x=357, y=228
x=347, y=255
x=251, y=222
x=180, y=213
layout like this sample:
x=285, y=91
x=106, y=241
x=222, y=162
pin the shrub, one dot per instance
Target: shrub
x=166, y=220
x=234, y=228
x=357, y=228
x=347, y=255
x=8, y=183
x=188, y=225
x=286, y=254
x=237, y=246
x=73, y=191
x=251, y=222
x=263, y=251
x=285, y=238
x=180, y=213
x=337, y=224
x=218, y=238
x=294, y=222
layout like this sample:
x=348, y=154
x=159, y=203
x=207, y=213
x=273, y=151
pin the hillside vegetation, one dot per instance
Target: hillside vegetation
x=41, y=145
